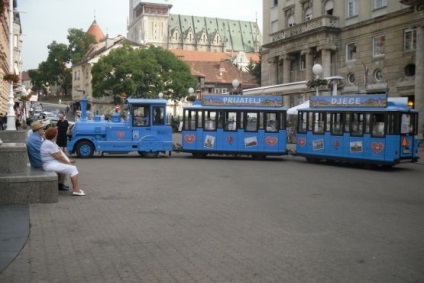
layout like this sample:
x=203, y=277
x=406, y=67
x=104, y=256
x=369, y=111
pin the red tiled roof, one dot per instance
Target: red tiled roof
x=203, y=56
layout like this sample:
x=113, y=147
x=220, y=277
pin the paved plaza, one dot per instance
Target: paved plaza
x=179, y=219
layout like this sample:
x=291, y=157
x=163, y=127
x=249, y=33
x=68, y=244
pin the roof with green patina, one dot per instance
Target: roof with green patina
x=237, y=35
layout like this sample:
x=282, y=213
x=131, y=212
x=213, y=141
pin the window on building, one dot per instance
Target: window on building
x=308, y=14
x=378, y=75
x=329, y=7
x=224, y=90
x=352, y=8
x=350, y=51
x=380, y=3
x=378, y=45
x=274, y=3
x=217, y=90
x=351, y=78
x=274, y=26
x=290, y=21
x=410, y=40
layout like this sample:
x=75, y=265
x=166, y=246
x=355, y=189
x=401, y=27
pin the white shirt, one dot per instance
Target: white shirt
x=46, y=151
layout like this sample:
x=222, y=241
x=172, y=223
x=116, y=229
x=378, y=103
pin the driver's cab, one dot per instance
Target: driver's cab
x=147, y=115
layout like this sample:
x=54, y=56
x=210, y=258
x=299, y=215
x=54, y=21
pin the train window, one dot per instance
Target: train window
x=336, y=124
x=158, y=117
x=283, y=119
x=367, y=123
x=261, y=120
x=231, y=121
x=140, y=116
x=199, y=119
x=310, y=120
x=318, y=123
x=302, y=121
x=357, y=124
x=408, y=124
x=377, y=124
x=220, y=119
x=192, y=117
x=210, y=120
x=347, y=122
x=328, y=122
x=271, y=122
x=392, y=123
x=251, y=122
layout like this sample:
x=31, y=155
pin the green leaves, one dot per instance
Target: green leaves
x=142, y=72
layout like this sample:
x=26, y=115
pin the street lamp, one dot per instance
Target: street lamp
x=235, y=84
x=160, y=95
x=317, y=70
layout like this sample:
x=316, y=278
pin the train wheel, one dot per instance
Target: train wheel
x=199, y=155
x=148, y=154
x=85, y=149
x=259, y=156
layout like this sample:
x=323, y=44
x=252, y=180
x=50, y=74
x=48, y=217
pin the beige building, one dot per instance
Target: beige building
x=5, y=52
x=377, y=46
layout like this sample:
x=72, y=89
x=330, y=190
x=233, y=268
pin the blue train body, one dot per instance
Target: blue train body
x=144, y=130
x=235, y=125
x=368, y=129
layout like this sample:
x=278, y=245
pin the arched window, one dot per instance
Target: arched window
x=329, y=7
x=308, y=14
x=290, y=21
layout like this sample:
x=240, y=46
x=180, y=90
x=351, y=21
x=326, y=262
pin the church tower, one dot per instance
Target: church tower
x=148, y=21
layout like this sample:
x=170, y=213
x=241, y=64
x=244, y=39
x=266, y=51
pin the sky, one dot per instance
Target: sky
x=44, y=21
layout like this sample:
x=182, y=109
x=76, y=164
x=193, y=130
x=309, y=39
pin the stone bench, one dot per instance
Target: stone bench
x=21, y=184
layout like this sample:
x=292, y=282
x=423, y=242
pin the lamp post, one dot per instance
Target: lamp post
x=11, y=126
x=160, y=95
x=317, y=70
x=235, y=84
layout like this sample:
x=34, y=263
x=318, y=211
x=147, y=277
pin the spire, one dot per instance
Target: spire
x=96, y=31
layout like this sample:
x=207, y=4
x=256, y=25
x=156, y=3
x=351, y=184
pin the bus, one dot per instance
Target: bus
x=141, y=128
x=235, y=125
x=367, y=129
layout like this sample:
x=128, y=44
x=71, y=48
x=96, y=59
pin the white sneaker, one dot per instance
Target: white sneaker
x=80, y=193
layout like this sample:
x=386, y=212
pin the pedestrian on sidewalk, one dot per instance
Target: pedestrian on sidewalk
x=34, y=142
x=54, y=159
x=62, y=128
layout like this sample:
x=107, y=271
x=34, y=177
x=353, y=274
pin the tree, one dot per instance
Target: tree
x=143, y=72
x=55, y=70
x=255, y=69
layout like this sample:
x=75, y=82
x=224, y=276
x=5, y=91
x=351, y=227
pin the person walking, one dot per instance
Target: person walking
x=34, y=142
x=54, y=159
x=62, y=128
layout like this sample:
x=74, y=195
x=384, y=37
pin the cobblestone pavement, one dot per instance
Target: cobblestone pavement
x=143, y=223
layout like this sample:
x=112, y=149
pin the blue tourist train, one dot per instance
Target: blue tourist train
x=368, y=129
x=141, y=127
x=235, y=125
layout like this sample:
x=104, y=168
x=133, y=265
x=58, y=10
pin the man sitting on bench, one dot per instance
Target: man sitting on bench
x=34, y=142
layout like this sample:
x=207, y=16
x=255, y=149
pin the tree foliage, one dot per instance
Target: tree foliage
x=143, y=72
x=56, y=69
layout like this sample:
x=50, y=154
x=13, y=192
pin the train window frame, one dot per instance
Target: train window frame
x=393, y=127
x=346, y=120
x=252, y=125
x=139, y=118
x=356, y=124
x=337, y=131
x=319, y=128
x=228, y=122
x=378, y=126
x=209, y=124
x=272, y=123
x=310, y=119
x=302, y=122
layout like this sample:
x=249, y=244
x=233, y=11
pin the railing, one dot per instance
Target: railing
x=324, y=21
x=411, y=2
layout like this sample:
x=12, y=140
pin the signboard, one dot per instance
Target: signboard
x=374, y=100
x=240, y=100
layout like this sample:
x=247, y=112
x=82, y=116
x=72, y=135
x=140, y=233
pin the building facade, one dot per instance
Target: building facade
x=375, y=45
x=150, y=22
x=6, y=53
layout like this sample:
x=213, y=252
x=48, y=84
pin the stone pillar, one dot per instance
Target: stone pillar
x=326, y=62
x=273, y=72
x=308, y=64
x=286, y=68
x=419, y=82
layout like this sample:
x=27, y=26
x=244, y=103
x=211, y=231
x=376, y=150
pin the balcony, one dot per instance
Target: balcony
x=314, y=24
x=411, y=2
